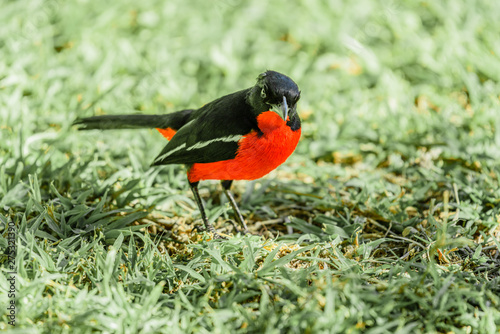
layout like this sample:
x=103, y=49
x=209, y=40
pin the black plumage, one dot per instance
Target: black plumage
x=174, y=120
x=214, y=132
x=225, y=118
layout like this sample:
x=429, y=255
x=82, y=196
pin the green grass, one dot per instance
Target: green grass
x=385, y=219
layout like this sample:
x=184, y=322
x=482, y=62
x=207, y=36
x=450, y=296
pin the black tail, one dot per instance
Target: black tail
x=174, y=120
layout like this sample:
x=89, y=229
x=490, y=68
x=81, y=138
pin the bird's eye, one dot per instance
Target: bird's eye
x=263, y=93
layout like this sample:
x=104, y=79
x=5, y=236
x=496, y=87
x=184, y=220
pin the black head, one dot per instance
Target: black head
x=274, y=86
x=277, y=92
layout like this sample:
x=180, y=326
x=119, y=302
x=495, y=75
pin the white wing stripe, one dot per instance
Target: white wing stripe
x=199, y=145
x=208, y=142
x=180, y=147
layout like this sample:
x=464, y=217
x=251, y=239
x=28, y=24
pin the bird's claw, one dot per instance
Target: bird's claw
x=245, y=231
x=209, y=229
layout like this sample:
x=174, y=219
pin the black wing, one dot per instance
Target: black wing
x=212, y=133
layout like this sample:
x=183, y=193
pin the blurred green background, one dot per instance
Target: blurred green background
x=397, y=169
x=365, y=69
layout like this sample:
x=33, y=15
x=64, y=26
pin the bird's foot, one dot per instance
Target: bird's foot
x=209, y=228
x=235, y=227
x=219, y=236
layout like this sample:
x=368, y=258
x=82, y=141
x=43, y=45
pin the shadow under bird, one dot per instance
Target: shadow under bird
x=240, y=136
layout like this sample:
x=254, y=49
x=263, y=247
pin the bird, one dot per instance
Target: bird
x=239, y=136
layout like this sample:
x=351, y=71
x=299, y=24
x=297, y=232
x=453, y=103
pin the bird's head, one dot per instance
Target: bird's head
x=275, y=92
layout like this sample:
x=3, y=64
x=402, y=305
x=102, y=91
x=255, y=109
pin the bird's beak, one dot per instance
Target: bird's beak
x=281, y=109
x=284, y=109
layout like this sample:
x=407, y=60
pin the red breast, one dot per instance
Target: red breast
x=257, y=155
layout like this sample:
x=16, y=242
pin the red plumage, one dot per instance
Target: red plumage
x=257, y=155
x=240, y=136
x=167, y=133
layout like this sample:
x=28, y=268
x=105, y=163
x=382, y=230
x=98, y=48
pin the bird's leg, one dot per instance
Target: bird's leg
x=197, y=198
x=226, y=185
